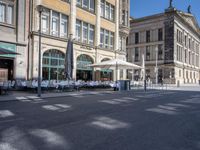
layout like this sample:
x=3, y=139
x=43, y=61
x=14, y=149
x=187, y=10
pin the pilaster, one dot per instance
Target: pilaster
x=98, y=22
x=72, y=25
x=116, y=46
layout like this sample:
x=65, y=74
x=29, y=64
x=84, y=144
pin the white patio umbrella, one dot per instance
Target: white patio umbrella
x=115, y=64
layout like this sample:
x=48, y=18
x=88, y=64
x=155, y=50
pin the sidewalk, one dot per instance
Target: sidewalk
x=23, y=95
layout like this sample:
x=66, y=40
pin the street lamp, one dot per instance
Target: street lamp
x=156, y=68
x=40, y=10
x=116, y=68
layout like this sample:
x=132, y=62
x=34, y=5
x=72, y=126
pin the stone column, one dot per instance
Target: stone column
x=72, y=22
x=97, y=37
x=116, y=46
x=98, y=22
x=72, y=30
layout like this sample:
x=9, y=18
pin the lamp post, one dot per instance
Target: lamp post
x=40, y=10
x=133, y=69
x=116, y=68
x=96, y=60
x=144, y=72
x=156, y=68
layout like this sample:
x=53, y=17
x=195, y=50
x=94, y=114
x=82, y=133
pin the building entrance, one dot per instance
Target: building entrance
x=84, y=72
x=6, y=69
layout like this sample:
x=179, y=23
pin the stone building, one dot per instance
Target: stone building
x=14, y=29
x=99, y=29
x=172, y=38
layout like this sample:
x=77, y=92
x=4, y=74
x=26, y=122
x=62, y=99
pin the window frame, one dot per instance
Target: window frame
x=6, y=16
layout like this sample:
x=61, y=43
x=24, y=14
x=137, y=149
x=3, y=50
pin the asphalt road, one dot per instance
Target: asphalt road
x=154, y=120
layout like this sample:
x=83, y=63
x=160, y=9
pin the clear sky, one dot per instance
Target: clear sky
x=141, y=8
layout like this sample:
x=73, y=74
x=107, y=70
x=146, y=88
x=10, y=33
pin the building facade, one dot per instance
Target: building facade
x=171, y=40
x=14, y=31
x=99, y=29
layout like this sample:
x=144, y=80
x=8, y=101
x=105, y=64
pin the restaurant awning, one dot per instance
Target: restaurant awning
x=4, y=51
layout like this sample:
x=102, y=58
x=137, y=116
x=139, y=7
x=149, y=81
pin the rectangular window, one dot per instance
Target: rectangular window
x=78, y=30
x=148, y=53
x=111, y=40
x=189, y=43
x=64, y=26
x=85, y=3
x=120, y=43
x=160, y=34
x=2, y=12
x=160, y=52
x=10, y=14
x=123, y=17
x=102, y=38
x=178, y=53
x=106, y=38
x=55, y=23
x=102, y=8
x=177, y=35
x=107, y=11
x=91, y=35
x=185, y=55
x=147, y=36
x=78, y=2
x=185, y=41
x=66, y=1
x=189, y=57
x=136, y=38
x=92, y=4
x=45, y=23
x=85, y=32
x=136, y=54
x=112, y=13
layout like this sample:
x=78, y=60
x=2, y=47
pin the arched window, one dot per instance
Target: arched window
x=82, y=62
x=106, y=74
x=53, y=65
x=105, y=59
x=83, y=71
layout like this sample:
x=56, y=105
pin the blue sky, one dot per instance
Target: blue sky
x=141, y=8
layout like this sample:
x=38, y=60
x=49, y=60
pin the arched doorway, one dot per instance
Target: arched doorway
x=53, y=65
x=83, y=71
x=106, y=74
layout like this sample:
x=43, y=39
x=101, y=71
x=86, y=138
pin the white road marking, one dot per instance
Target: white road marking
x=110, y=102
x=50, y=107
x=192, y=101
x=21, y=98
x=177, y=105
x=162, y=111
x=130, y=98
x=109, y=123
x=63, y=106
x=6, y=113
x=121, y=100
x=167, y=107
x=57, y=107
x=33, y=97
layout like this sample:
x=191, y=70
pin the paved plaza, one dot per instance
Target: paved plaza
x=134, y=120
